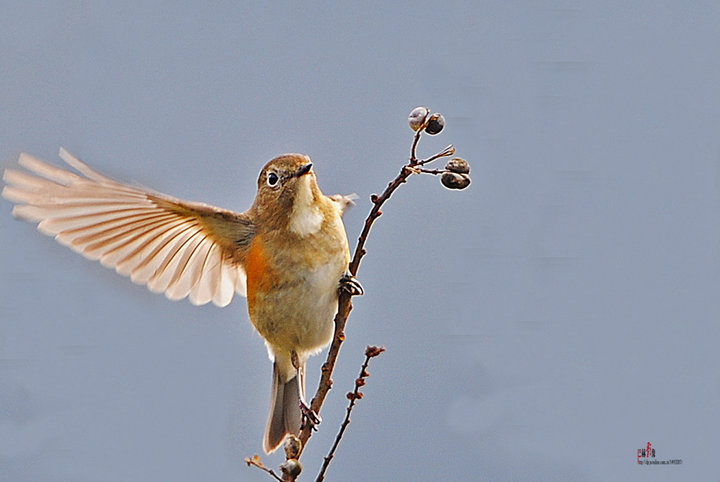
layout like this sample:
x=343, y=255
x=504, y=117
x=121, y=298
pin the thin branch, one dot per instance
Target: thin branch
x=431, y=171
x=355, y=395
x=413, y=148
x=256, y=462
x=448, y=151
x=344, y=301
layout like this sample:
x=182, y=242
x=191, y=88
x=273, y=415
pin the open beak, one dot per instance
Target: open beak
x=304, y=170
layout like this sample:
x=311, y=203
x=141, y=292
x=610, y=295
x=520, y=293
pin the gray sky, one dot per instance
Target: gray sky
x=544, y=324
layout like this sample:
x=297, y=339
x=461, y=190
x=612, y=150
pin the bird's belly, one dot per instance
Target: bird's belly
x=296, y=313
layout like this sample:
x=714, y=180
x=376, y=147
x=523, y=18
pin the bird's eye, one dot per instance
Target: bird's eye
x=272, y=179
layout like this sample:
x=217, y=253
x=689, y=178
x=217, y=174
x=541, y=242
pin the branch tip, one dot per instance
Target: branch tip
x=373, y=351
x=355, y=395
x=256, y=462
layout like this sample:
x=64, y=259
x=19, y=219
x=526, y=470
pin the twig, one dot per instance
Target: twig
x=448, y=151
x=431, y=171
x=413, y=148
x=355, y=395
x=344, y=301
x=255, y=461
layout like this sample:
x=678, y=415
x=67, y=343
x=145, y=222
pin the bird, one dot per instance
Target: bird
x=288, y=254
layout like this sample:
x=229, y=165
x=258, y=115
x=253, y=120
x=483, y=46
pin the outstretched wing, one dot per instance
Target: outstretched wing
x=177, y=247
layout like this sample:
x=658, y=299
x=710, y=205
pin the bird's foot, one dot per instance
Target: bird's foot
x=309, y=417
x=350, y=285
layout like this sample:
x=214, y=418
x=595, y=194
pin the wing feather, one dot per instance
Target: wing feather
x=187, y=271
x=183, y=249
x=204, y=290
x=162, y=278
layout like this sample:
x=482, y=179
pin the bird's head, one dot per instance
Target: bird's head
x=288, y=194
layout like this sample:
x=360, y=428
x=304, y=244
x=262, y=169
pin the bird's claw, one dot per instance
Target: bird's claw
x=350, y=285
x=309, y=417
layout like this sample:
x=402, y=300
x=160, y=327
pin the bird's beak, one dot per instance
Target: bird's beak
x=304, y=170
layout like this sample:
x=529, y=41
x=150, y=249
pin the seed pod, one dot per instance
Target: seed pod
x=435, y=124
x=292, y=467
x=417, y=117
x=454, y=180
x=459, y=165
x=292, y=447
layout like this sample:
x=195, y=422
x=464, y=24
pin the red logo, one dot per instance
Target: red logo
x=645, y=453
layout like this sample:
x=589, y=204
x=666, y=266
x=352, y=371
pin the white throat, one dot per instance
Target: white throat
x=306, y=219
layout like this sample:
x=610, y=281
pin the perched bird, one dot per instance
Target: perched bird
x=288, y=253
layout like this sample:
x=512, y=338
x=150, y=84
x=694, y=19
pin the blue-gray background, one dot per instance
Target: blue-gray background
x=544, y=324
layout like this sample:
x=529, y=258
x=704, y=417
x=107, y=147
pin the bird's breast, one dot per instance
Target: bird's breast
x=292, y=286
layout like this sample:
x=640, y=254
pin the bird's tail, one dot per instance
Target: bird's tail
x=285, y=416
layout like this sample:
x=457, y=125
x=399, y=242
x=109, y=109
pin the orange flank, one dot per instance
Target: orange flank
x=255, y=268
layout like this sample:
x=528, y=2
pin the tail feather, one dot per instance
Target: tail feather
x=285, y=416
